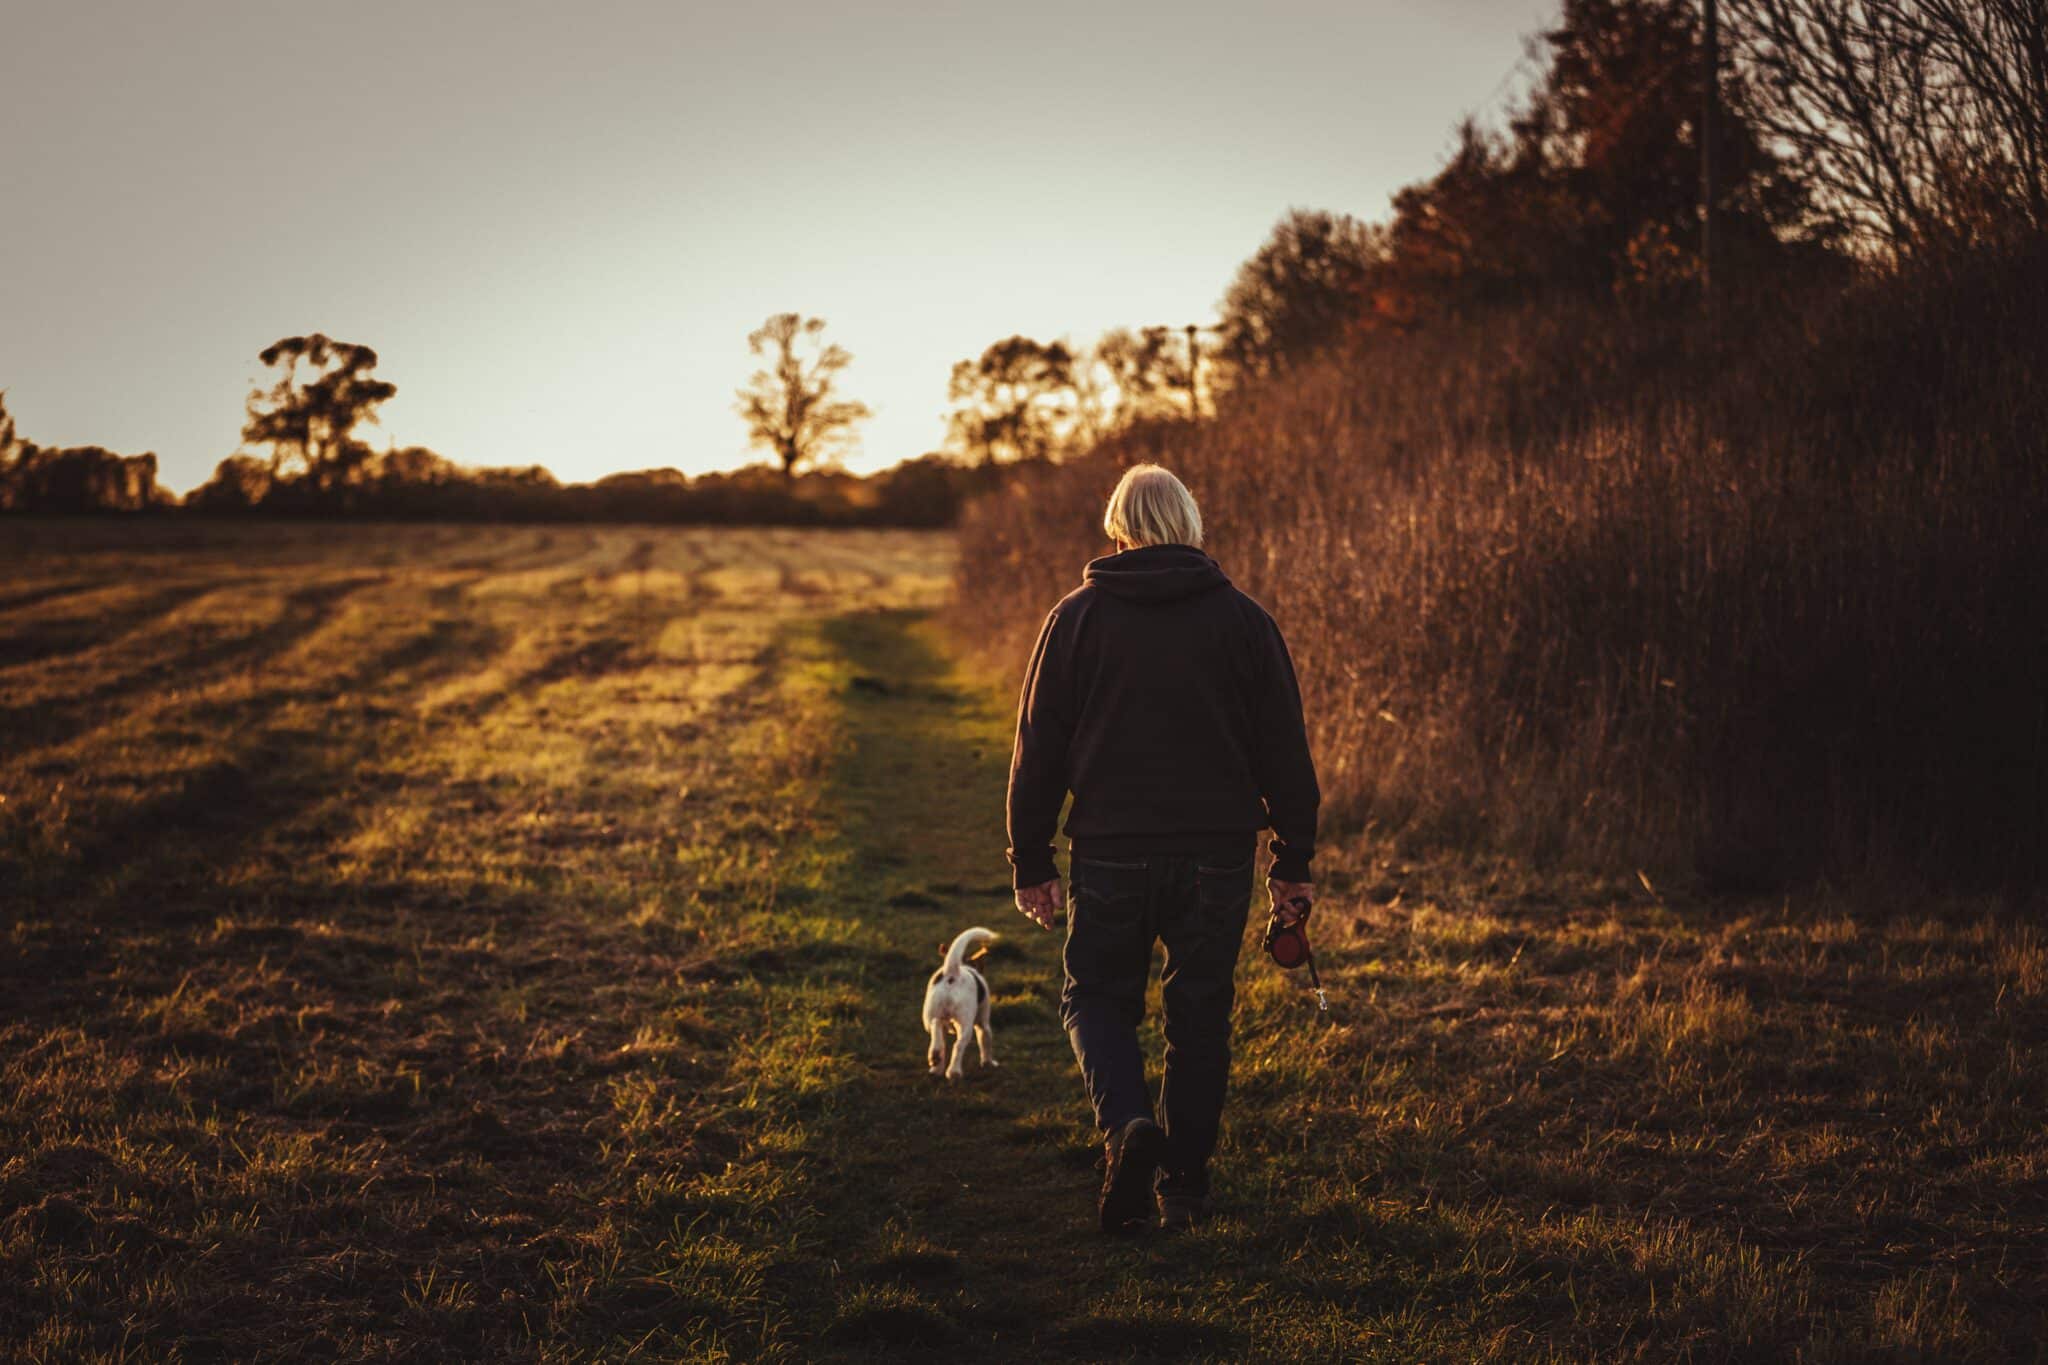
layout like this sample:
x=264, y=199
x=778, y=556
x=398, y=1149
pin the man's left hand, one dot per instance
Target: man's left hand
x=1041, y=904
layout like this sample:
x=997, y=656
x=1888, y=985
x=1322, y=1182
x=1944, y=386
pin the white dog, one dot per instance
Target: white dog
x=958, y=995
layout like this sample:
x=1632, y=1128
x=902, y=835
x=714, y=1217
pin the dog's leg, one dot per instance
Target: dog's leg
x=982, y=1036
x=958, y=1067
x=936, y=1056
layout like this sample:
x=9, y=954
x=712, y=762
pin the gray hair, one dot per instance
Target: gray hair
x=1151, y=507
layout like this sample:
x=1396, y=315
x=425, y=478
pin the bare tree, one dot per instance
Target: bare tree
x=1923, y=121
x=791, y=407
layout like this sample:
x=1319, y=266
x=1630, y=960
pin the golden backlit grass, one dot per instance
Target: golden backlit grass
x=430, y=945
x=378, y=903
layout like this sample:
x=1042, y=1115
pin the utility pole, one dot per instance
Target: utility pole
x=1193, y=330
x=1710, y=118
x=1195, y=361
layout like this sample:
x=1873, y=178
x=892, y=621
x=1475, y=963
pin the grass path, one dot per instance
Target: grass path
x=962, y=1211
x=946, y=1216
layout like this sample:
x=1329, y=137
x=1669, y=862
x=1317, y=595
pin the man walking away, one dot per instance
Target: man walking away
x=1165, y=700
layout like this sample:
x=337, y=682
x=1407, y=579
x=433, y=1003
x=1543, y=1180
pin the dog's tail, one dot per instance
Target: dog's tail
x=969, y=939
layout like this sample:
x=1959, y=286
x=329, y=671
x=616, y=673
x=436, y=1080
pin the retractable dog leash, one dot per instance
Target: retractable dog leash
x=1287, y=945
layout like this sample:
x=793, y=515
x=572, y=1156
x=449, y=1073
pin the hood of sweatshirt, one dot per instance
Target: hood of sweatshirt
x=1155, y=573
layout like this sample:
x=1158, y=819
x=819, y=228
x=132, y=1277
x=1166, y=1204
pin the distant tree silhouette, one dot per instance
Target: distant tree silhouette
x=790, y=406
x=80, y=479
x=410, y=467
x=1016, y=401
x=240, y=483
x=73, y=479
x=1148, y=372
x=308, y=418
x=1301, y=292
x=15, y=456
x=10, y=440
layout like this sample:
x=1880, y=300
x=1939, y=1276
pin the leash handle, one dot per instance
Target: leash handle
x=1296, y=935
x=1303, y=906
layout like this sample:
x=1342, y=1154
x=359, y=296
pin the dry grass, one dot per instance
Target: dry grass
x=1594, y=588
x=1794, y=1131
x=377, y=905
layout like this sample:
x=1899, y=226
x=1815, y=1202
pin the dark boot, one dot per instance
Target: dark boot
x=1134, y=1154
x=1183, y=1198
x=1177, y=1211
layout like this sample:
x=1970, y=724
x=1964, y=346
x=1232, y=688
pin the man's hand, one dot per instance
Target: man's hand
x=1043, y=902
x=1285, y=892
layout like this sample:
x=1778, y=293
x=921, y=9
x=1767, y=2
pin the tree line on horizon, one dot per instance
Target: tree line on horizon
x=303, y=452
x=1021, y=403
x=313, y=461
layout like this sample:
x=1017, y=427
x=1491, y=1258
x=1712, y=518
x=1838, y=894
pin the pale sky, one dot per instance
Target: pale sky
x=557, y=223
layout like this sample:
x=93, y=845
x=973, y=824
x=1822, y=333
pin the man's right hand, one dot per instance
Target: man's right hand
x=1291, y=900
x=1041, y=904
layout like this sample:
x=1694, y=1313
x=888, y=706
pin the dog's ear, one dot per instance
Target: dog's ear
x=944, y=948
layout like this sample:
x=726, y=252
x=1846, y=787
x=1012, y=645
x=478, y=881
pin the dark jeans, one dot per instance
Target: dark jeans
x=1119, y=908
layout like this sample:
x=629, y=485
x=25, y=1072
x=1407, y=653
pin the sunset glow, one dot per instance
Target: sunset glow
x=557, y=229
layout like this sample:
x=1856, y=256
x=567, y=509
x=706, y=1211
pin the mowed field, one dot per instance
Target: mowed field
x=505, y=943
x=379, y=907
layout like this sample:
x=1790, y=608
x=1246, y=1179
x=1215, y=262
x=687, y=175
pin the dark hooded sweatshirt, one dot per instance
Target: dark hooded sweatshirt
x=1165, y=700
